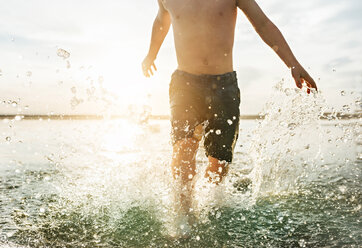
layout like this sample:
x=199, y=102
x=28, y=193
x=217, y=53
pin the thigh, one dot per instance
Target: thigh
x=185, y=113
x=222, y=130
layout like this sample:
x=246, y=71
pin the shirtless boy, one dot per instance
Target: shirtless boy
x=204, y=95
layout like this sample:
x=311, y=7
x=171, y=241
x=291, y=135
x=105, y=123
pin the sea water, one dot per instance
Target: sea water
x=295, y=182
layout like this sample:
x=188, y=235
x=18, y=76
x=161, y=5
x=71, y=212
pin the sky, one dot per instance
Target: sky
x=107, y=41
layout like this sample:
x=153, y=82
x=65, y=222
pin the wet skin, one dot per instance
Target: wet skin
x=204, y=38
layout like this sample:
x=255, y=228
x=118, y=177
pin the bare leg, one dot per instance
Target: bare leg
x=183, y=169
x=216, y=170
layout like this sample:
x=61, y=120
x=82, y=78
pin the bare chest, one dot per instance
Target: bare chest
x=192, y=10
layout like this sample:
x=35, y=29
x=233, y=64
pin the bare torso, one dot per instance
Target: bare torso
x=203, y=34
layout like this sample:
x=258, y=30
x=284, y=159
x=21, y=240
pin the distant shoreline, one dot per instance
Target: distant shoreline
x=153, y=117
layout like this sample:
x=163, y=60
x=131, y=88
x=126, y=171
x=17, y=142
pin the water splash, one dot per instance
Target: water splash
x=282, y=146
x=63, y=53
x=289, y=146
x=109, y=183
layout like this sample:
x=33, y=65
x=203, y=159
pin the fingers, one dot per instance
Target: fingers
x=147, y=69
x=154, y=67
x=298, y=82
x=310, y=83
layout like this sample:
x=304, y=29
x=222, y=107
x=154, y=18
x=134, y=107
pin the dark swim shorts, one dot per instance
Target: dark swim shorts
x=210, y=100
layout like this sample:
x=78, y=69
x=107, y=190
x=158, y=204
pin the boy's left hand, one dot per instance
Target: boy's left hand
x=301, y=76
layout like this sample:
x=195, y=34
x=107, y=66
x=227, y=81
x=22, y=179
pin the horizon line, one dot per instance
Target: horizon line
x=326, y=115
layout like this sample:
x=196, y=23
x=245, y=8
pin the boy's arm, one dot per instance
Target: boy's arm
x=274, y=38
x=161, y=25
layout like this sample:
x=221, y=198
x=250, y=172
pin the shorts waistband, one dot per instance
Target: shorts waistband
x=207, y=77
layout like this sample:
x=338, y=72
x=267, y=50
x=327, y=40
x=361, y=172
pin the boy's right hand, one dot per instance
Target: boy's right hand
x=147, y=65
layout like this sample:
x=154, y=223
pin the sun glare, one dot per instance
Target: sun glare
x=123, y=139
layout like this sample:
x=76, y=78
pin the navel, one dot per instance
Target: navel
x=205, y=61
x=221, y=13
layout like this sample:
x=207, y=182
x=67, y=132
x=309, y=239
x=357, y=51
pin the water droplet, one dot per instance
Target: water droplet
x=292, y=126
x=359, y=156
x=75, y=102
x=346, y=108
x=8, y=139
x=42, y=210
x=343, y=93
x=342, y=188
x=218, y=132
x=14, y=104
x=288, y=91
x=230, y=122
x=302, y=243
x=73, y=90
x=10, y=234
x=63, y=53
x=18, y=118
x=198, y=238
x=218, y=215
x=91, y=91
